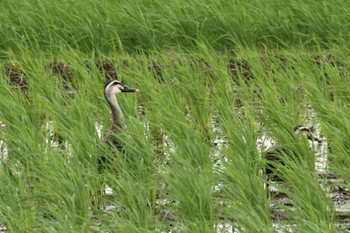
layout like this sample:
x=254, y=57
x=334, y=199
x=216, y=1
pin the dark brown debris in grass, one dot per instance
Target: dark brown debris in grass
x=17, y=77
x=239, y=68
x=320, y=60
x=202, y=65
x=107, y=69
x=59, y=68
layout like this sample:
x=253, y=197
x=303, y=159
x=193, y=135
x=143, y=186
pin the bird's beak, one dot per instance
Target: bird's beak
x=127, y=89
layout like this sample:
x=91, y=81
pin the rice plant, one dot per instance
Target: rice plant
x=220, y=83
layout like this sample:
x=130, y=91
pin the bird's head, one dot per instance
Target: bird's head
x=302, y=131
x=114, y=87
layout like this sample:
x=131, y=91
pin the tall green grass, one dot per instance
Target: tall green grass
x=172, y=177
x=109, y=26
x=58, y=188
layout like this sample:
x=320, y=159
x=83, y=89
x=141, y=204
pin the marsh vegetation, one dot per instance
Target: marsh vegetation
x=220, y=82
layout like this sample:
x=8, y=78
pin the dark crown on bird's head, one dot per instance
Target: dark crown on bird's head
x=112, y=83
x=117, y=84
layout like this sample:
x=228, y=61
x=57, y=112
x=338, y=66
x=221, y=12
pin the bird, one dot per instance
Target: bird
x=302, y=130
x=112, y=88
x=274, y=156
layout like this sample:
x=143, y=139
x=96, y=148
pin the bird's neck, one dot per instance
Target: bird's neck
x=117, y=115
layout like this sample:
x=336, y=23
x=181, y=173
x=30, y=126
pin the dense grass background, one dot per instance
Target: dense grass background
x=105, y=26
x=293, y=55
